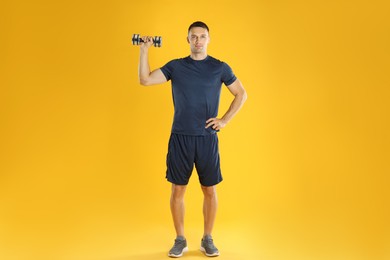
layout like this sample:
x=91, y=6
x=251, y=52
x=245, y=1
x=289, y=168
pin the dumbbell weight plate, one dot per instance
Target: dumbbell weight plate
x=136, y=39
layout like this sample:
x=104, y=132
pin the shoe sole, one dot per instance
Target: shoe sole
x=207, y=254
x=180, y=255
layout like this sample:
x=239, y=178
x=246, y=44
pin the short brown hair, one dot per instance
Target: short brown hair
x=198, y=24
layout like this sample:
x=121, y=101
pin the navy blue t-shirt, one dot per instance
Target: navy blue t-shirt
x=196, y=89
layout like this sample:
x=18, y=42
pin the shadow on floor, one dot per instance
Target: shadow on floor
x=160, y=255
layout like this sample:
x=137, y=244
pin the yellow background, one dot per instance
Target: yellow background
x=83, y=145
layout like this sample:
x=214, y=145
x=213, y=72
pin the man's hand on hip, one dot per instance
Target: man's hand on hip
x=215, y=123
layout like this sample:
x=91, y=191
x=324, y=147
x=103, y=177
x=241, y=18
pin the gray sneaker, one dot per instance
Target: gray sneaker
x=207, y=246
x=179, y=247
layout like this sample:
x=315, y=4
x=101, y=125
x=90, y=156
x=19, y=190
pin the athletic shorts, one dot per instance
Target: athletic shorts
x=185, y=150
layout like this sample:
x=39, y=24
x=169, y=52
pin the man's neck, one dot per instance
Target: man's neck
x=198, y=56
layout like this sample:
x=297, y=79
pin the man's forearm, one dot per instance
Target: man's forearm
x=235, y=106
x=143, y=69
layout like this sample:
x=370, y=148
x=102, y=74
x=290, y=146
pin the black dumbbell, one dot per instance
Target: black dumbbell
x=157, y=41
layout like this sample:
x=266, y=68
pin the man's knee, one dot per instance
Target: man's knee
x=178, y=191
x=209, y=191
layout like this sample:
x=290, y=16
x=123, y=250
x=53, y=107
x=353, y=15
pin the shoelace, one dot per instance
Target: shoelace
x=178, y=244
x=209, y=242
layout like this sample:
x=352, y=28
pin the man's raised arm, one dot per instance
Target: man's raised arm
x=147, y=78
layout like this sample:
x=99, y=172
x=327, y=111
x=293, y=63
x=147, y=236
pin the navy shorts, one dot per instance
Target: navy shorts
x=185, y=150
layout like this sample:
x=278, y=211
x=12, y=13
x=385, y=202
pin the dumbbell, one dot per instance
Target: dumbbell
x=157, y=41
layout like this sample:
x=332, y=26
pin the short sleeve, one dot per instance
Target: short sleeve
x=167, y=69
x=228, y=76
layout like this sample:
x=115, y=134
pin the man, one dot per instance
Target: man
x=196, y=86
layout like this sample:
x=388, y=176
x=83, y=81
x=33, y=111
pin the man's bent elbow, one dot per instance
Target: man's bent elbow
x=245, y=96
x=144, y=82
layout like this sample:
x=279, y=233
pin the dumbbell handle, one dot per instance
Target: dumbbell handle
x=141, y=40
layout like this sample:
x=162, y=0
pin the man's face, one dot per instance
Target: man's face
x=198, y=38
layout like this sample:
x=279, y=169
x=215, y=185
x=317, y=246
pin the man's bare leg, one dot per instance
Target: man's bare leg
x=210, y=204
x=177, y=208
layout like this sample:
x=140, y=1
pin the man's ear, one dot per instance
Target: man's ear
x=188, y=40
